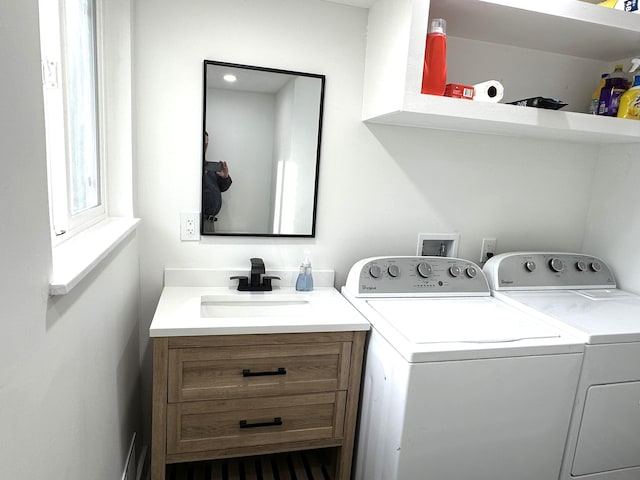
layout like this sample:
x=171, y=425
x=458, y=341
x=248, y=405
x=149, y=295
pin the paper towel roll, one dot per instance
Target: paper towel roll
x=490, y=91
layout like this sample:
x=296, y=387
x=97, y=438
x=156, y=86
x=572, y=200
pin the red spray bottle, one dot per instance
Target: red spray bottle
x=434, y=73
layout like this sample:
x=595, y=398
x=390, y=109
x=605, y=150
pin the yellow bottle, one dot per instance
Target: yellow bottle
x=595, y=97
x=630, y=102
x=608, y=3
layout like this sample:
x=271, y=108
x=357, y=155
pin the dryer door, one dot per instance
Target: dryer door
x=608, y=438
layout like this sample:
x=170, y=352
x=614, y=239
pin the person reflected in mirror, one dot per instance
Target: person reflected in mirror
x=216, y=180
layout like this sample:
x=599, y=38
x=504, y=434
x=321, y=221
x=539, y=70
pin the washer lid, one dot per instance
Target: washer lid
x=478, y=320
x=596, y=316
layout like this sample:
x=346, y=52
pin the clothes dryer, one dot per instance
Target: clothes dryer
x=457, y=385
x=578, y=294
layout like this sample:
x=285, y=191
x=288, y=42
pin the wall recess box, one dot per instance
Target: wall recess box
x=438, y=244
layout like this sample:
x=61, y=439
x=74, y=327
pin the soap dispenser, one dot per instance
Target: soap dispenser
x=304, y=283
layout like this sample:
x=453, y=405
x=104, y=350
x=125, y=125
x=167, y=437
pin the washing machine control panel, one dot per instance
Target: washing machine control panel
x=416, y=276
x=530, y=270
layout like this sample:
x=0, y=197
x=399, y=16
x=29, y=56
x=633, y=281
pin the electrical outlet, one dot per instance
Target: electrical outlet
x=488, y=249
x=189, y=226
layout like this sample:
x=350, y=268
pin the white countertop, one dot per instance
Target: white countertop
x=178, y=311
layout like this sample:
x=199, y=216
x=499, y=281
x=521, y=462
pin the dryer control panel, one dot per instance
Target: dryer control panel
x=416, y=276
x=547, y=270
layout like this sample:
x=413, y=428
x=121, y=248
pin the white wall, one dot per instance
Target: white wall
x=295, y=154
x=613, y=227
x=240, y=127
x=69, y=366
x=479, y=61
x=282, y=152
x=379, y=186
x=306, y=120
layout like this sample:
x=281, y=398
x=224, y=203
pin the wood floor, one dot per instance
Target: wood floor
x=306, y=465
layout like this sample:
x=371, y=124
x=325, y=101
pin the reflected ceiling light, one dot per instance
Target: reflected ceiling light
x=229, y=77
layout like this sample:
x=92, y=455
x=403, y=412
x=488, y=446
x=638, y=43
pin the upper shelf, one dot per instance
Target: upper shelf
x=443, y=113
x=567, y=27
x=395, y=49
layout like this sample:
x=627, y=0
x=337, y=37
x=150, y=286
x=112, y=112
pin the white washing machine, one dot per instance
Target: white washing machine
x=578, y=294
x=457, y=385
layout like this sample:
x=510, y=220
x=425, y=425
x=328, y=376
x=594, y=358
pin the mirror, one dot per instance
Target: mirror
x=261, y=150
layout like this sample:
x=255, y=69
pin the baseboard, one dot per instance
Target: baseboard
x=143, y=466
x=129, y=472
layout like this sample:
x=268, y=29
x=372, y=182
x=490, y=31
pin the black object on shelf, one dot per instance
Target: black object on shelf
x=540, y=102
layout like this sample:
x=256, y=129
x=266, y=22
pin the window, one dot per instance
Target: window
x=70, y=58
x=75, y=51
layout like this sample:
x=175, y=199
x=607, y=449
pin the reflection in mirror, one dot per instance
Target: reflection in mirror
x=261, y=154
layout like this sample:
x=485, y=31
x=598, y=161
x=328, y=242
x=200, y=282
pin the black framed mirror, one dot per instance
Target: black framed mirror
x=262, y=131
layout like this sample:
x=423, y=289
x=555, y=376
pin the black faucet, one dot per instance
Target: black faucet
x=258, y=282
x=257, y=270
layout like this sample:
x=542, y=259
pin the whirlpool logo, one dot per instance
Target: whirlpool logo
x=506, y=282
x=367, y=287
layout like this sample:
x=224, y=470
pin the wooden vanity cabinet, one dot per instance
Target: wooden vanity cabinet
x=244, y=395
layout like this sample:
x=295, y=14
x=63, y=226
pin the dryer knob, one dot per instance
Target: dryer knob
x=595, y=266
x=455, y=271
x=393, y=270
x=375, y=271
x=424, y=269
x=556, y=264
x=581, y=265
x=530, y=266
x=471, y=272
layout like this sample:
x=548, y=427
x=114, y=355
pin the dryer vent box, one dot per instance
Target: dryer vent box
x=438, y=244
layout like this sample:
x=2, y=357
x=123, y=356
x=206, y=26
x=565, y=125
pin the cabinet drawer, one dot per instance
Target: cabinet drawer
x=227, y=424
x=211, y=373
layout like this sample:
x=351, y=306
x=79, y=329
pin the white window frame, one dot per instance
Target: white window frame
x=65, y=224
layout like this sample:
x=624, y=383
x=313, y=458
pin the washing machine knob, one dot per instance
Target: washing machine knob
x=471, y=272
x=455, y=271
x=530, y=265
x=556, y=264
x=581, y=265
x=393, y=270
x=375, y=271
x=595, y=266
x=424, y=269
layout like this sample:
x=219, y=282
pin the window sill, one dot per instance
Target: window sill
x=77, y=257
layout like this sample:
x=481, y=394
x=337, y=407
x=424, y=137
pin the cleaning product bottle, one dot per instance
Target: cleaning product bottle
x=609, y=3
x=630, y=101
x=615, y=85
x=595, y=98
x=434, y=72
x=304, y=283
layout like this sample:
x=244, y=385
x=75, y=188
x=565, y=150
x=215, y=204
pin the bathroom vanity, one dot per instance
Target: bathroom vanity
x=241, y=374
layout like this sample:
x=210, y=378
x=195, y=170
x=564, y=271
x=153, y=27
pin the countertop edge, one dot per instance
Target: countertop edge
x=178, y=315
x=258, y=330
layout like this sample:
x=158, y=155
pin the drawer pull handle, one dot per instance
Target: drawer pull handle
x=276, y=421
x=248, y=373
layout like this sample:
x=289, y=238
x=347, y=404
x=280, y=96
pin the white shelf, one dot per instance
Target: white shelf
x=442, y=113
x=567, y=27
x=395, y=49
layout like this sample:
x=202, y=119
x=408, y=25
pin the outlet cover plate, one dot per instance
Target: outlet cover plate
x=488, y=249
x=189, y=226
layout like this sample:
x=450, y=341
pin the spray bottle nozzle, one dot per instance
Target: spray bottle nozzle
x=635, y=63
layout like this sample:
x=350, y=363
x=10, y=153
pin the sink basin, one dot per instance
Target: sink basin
x=224, y=306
